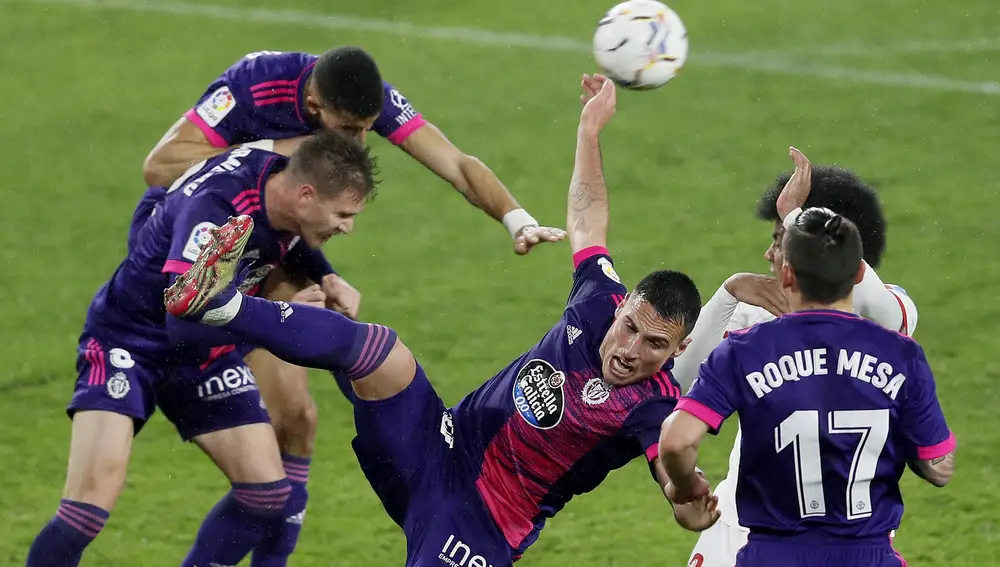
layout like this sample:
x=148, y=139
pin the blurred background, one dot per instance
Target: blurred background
x=904, y=92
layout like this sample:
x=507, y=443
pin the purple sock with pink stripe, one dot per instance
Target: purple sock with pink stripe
x=236, y=524
x=62, y=541
x=313, y=337
x=282, y=534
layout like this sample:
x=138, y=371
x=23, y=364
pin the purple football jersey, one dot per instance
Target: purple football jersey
x=128, y=310
x=261, y=97
x=831, y=406
x=548, y=427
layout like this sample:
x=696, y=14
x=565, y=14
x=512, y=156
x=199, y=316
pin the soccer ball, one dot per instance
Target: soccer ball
x=640, y=44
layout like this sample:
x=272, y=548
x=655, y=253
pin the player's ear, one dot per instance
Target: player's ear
x=861, y=273
x=621, y=306
x=313, y=104
x=788, y=280
x=681, y=347
x=307, y=192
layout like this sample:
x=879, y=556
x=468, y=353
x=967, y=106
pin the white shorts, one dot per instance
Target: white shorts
x=717, y=546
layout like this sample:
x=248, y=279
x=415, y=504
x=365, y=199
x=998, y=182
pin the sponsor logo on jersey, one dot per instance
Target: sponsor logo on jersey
x=118, y=385
x=456, y=553
x=572, y=333
x=609, y=270
x=200, y=236
x=120, y=358
x=230, y=382
x=538, y=394
x=214, y=108
x=596, y=391
x=406, y=111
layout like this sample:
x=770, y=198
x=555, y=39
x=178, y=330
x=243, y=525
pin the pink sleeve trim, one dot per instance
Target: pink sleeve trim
x=701, y=411
x=213, y=137
x=175, y=267
x=404, y=131
x=652, y=452
x=939, y=450
x=588, y=252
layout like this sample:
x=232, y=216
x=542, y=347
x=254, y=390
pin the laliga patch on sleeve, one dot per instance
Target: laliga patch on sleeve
x=609, y=270
x=217, y=106
x=199, y=237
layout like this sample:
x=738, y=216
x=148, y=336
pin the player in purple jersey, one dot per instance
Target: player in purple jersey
x=474, y=484
x=273, y=100
x=133, y=356
x=832, y=408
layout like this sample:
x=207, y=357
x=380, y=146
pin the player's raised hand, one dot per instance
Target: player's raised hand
x=591, y=85
x=600, y=108
x=311, y=295
x=796, y=191
x=529, y=236
x=762, y=291
x=341, y=296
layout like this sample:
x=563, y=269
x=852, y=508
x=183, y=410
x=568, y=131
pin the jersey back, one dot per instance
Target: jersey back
x=831, y=407
x=548, y=427
x=262, y=97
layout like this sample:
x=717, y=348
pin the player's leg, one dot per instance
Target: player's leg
x=219, y=407
x=717, y=546
x=113, y=396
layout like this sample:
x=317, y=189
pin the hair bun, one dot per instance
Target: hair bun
x=834, y=225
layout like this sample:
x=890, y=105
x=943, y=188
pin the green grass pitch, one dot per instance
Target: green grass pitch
x=899, y=91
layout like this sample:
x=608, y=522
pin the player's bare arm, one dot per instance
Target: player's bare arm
x=935, y=471
x=587, y=209
x=694, y=516
x=680, y=437
x=185, y=144
x=479, y=185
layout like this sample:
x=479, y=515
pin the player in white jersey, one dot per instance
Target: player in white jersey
x=747, y=299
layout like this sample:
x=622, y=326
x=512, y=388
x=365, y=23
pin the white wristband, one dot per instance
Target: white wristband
x=516, y=220
x=266, y=145
x=789, y=221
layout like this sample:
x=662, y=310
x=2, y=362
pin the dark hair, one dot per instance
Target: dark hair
x=824, y=250
x=673, y=295
x=845, y=194
x=348, y=80
x=332, y=161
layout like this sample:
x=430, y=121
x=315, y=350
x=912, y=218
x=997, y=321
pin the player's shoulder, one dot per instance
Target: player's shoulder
x=907, y=306
x=229, y=174
x=274, y=65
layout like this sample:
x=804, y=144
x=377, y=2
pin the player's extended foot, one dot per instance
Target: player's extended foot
x=213, y=271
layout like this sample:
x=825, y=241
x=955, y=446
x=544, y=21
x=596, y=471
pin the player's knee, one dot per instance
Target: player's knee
x=392, y=376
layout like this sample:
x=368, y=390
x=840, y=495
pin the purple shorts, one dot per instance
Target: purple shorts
x=814, y=550
x=406, y=448
x=196, y=399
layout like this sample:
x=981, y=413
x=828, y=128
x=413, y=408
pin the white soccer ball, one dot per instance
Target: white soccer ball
x=640, y=44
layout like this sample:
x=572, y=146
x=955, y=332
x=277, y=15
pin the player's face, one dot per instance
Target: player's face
x=332, y=119
x=321, y=218
x=639, y=343
x=774, y=255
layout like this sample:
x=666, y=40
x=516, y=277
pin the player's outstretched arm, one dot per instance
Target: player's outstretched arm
x=680, y=437
x=185, y=144
x=478, y=184
x=587, y=210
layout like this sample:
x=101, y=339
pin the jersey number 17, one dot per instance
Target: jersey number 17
x=800, y=430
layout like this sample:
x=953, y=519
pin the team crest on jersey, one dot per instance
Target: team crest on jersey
x=538, y=394
x=217, y=106
x=609, y=270
x=596, y=391
x=118, y=386
x=200, y=236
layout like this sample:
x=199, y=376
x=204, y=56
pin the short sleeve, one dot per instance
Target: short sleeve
x=222, y=112
x=922, y=421
x=594, y=275
x=643, y=424
x=714, y=395
x=200, y=214
x=398, y=118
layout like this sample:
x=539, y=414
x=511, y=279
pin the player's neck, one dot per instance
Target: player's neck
x=276, y=203
x=798, y=303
